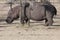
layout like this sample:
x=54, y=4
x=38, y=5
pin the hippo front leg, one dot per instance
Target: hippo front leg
x=46, y=22
x=22, y=14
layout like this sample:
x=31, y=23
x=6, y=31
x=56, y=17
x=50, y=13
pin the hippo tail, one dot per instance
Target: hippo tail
x=51, y=8
x=55, y=11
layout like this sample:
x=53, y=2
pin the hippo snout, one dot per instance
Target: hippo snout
x=9, y=21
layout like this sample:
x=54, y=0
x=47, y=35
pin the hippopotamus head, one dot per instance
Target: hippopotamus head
x=13, y=14
x=10, y=17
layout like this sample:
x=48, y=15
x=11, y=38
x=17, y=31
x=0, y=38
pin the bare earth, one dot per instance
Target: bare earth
x=37, y=30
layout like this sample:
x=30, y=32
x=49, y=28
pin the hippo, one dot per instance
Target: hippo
x=38, y=12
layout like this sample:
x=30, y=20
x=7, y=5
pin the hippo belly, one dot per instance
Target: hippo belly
x=37, y=13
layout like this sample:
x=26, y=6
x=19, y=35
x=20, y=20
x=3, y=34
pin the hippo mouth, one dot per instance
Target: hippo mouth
x=9, y=20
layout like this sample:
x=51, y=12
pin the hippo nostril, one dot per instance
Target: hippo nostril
x=9, y=21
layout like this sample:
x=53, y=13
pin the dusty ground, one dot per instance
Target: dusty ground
x=37, y=30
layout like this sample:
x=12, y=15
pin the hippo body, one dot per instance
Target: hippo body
x=37, y=12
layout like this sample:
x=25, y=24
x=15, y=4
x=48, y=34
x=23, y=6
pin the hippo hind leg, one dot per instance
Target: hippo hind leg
x=46, y=22
x=49, y=19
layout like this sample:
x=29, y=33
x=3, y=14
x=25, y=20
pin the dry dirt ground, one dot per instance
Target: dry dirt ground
x=37, y=30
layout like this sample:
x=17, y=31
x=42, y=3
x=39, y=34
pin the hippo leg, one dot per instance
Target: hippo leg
x=24, y=18
x=49, y=22
x=22, y=21
x=28, y=22
x=22, y=14
x=46, y=22
x=49, y=18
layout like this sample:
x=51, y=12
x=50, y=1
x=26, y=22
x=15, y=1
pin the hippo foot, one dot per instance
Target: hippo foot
x=47, y=24
x=28, y=23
